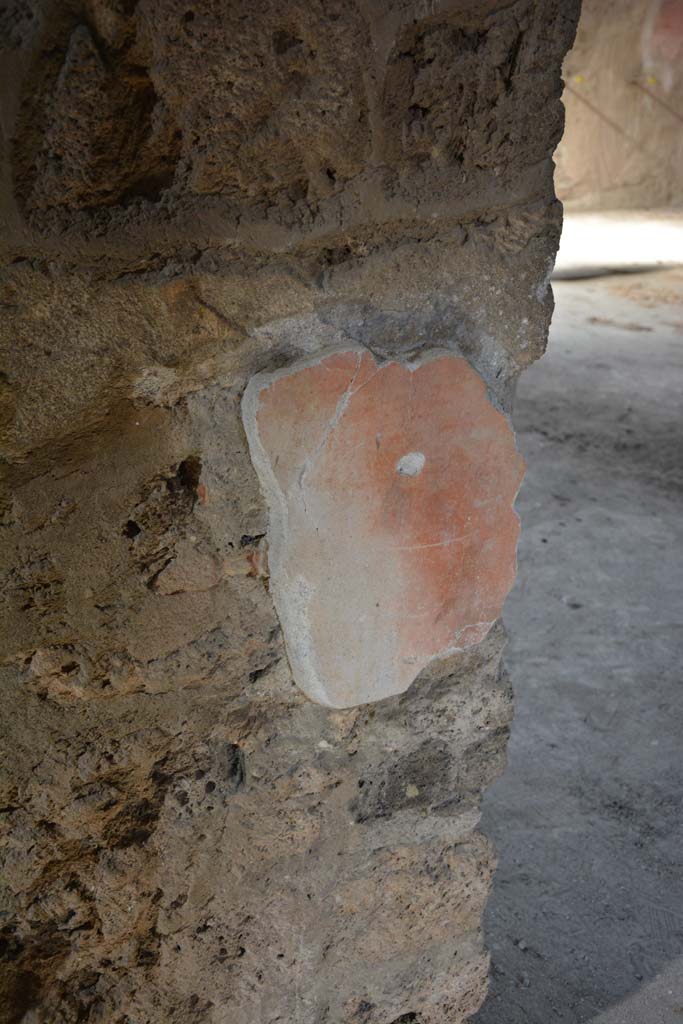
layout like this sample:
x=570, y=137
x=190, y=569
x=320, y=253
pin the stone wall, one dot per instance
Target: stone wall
x=623, y=147
x=195, y=196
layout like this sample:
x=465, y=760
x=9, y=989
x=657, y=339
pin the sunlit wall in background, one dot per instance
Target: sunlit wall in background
x=623, y=143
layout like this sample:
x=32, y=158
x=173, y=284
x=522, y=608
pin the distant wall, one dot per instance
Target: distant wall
x=623, y=142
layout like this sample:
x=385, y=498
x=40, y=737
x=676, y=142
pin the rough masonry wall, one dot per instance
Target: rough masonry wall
x=623, y=147
x=193, y=194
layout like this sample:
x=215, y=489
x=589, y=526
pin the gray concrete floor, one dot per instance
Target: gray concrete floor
x=586, y=918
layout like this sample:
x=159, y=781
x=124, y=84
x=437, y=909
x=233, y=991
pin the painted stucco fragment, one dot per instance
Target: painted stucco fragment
x=392, y=532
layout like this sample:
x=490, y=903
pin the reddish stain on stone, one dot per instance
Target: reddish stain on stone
x=392, y=533
x=667, y=33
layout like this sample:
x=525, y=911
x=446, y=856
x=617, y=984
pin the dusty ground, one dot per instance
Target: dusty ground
x=587, y=907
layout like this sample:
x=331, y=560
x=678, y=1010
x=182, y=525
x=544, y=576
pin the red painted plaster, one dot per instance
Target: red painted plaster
x=378, y=566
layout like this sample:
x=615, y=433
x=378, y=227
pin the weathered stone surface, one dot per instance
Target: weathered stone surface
x=193, y=194
x=392, y=533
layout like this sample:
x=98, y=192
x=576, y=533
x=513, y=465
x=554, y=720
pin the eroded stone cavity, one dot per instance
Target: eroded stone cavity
x=392, y=531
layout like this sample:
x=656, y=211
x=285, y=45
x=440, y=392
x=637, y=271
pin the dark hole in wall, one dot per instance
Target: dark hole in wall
x=235, y=770
x=187, y=476
x=18, y=995
x=189, y=472
x=248, y=539
x=283, y=41
x=131, y=529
